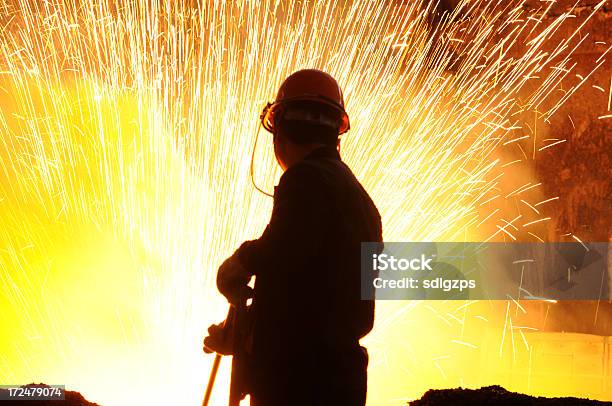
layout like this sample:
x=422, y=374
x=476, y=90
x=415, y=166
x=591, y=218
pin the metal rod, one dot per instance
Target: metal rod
x=211, y=379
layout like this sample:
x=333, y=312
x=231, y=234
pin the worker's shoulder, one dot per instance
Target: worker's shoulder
x=318, y=171
x=303, y=173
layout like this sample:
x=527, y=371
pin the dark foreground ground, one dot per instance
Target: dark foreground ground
x=488, y=396
x=70, y=399
x=495, y=395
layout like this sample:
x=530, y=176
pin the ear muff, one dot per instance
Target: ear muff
x=269, y=114
x=272, y=111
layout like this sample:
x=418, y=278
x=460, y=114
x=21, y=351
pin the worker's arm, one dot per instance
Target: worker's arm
x=299, y=221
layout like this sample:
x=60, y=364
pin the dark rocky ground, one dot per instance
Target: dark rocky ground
x=487, y=396
x=70, y=399
x=494, y=396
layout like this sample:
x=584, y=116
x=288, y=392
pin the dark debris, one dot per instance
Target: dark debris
x=495, y=396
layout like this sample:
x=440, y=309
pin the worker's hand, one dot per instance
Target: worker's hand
x=218, y=340
x=232, y=281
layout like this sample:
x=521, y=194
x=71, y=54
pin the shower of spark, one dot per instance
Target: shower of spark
x=127, y=129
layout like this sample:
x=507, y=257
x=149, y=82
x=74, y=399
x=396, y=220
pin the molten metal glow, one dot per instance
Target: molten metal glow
x=124, y=158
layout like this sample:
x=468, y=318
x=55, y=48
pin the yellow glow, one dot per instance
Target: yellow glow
x=126, y=137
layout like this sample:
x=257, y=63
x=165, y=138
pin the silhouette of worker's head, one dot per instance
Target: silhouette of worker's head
x=308, y=113
x=294, y=137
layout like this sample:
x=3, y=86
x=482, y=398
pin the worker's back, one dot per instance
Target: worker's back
x=307, y=307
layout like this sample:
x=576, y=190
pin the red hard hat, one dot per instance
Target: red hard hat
x=308, y=85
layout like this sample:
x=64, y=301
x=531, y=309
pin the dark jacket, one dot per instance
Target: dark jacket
x=307, y=308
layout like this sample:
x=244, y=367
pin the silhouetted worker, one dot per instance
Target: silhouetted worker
x=307, y=313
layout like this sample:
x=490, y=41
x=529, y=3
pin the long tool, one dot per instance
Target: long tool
x=217, y=360
x=211, y=379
